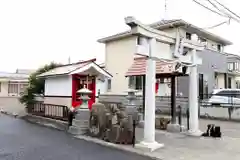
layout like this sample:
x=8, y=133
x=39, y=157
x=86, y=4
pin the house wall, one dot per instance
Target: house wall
x=58, y=86
x=120, y=55
x=4, y=88
x=12, y=105
x=58, y=90
x=119, y=58
x=235, y=73
x=220, y=81
x=212, y=62
x=101, y=86
x=65, y=101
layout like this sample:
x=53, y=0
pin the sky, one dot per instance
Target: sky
x=36, y=32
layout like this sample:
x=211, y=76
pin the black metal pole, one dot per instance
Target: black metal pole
x=180, y=117
x=134, y=128
x=188, y=118
x=143, y=95
x=173, y=99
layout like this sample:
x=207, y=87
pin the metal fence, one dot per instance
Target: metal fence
x=58, y=112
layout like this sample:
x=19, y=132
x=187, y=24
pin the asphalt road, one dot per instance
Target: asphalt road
x=20, y=140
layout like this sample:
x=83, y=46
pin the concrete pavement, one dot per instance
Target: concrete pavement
x=20, y=140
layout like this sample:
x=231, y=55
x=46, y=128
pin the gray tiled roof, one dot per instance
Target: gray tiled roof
x=163, y=24
x=13, y=75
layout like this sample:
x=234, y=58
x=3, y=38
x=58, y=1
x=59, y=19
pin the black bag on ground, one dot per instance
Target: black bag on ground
x=213, y=131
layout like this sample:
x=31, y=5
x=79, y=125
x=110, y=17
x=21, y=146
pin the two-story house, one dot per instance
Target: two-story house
x=120, y=48
x=233, y=62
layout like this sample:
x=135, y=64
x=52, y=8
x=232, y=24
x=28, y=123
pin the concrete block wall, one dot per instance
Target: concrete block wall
x=12, y=105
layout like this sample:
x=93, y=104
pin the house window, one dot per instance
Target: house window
x=138, y=40
x=139, y=82
x=141, y=40
x=188, y=36
x=13, y=88
x=230, y=66
x=22, y=87
x=109, y=84
x=200, y=86
x=135, y=82
x=161, y=80
x=236, y=67
x=229, y=82
x=219, y=48
x=202, y=39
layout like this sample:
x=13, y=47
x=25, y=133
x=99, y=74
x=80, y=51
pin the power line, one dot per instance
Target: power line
x=227, y=9
x=227, y=14
x=209, y=9
x=221, y=13
x=215, y=6
x=217, y=25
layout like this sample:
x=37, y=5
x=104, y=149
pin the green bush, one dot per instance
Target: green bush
x=36, y=85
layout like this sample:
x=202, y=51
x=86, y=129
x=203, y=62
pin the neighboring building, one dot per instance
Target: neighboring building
x=12, y=84
x=25, y=71
x=62, y=83
x=233, y=70
x=120, y=48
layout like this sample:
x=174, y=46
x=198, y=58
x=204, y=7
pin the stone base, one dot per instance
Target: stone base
x=141, y=124
x=77, y=131
x=176, y=128
x=148, y=147
x=196, y=133
x=80, y=124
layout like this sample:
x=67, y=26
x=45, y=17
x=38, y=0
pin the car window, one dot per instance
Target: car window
x=226, y=93
x=237, y=94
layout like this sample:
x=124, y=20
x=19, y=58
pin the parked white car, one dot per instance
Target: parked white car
x=224, y=97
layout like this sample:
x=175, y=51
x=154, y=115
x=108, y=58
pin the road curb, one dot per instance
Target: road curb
x=62, y=126
x=9, y=114
x=46, y=122
x=126, y=148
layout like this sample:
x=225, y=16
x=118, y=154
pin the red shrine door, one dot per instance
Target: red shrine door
x=78, y=82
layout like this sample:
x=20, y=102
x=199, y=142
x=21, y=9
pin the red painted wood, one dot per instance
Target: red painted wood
x=157, y=87
x=76, y=86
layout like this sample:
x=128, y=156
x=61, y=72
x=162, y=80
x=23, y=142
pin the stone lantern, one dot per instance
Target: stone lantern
x=81, y=120
x=131, y=107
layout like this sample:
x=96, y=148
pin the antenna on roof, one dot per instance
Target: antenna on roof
x=69, y=60
x=165, y=11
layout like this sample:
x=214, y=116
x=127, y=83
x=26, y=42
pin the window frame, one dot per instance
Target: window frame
x=135, y=82
x=109, y=84
x=188, y=36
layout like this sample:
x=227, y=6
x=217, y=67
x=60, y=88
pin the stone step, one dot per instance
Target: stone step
x=77, y=130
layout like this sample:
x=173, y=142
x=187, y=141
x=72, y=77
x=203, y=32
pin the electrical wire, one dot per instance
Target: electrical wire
x=217, y=25
x=227, y=8
x=209, y=9
x=225, y=13
x=221, y=13
x=215, y=6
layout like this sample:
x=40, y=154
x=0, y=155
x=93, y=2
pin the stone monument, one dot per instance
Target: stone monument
x=81, y=121
x=131, y=107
